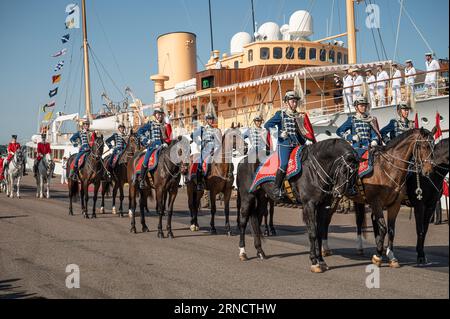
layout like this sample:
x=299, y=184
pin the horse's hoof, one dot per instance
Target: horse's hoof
x=161, y=235
x=273, y=232
x=121, y=215
x=243, y=257
x=130, y=214
x=193, y=228
x=114, y=211
x=197, y=228
x=102, y=210
x=377, y=261
x=316, y=269
x=394, y=263
x=94, y=216
x=145, y=229
x=266, y=233
x=229, y=233
x=324, y=266
x=327, y=252
x=170, y=235
x=421, y=261
x=360, y=252
x=133, y=230
x=261, y=255
x=213, y=231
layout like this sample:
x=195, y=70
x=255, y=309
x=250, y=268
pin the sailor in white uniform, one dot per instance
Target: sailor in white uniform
x=396, y=84
x=370, y=80
x=348, y=91
x=382, y=78
x=358, y=82
x=410, y=77
x=431, y=78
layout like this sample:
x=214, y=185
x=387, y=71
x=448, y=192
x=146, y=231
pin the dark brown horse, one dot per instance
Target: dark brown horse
x=220, y=179
x=172, y=163
x=119, y=174
x=92, y=172
x=412, y=150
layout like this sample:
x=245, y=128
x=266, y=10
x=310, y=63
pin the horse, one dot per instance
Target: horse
x=14, y=173
x=119, y=174
x=44, y=175
x=269, y=229
x=172, y=163
x=329, y=170
x=383, y=188
x=432, y=193
x=220, y=179
x=91, y=172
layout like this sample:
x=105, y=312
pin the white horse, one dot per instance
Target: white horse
x=14, y=172
x=43, y=176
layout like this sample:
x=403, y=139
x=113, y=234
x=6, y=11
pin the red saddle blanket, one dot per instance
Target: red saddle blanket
x=366, y=166
x=152, y=163
x=194, y=167
x=268, y=171
x=115, y=160
x=80, y=161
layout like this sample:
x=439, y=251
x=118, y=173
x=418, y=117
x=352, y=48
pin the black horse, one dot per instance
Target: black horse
x=431, y=187
x=329, y=169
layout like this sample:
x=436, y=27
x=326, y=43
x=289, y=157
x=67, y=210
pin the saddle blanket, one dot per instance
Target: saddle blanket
x=194, y=167
x=152, y=163
x=366, y=166
x=268, y=171
x=80, y=162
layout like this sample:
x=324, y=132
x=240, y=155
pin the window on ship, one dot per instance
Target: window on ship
x=302, y=53
x=312, y=54
x=265, y=53
x=290, y=53
x=277, y=53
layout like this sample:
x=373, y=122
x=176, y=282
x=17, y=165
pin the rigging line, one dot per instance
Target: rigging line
x=98, y=73
x=67, y=83
x=330, y=27
x=339, y=18
x=380, y=37
x=398, y=30
x=81, y=92
x=187, y=13
x=417, y=29
x=107, y=73
x=373, y=36
x=109, y=44
x=75, y=76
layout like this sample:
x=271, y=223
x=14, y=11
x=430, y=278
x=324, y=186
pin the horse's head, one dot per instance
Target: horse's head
x=423, y=150
x=179, y=153
x=133, y=144
x=19, y=156
x=440, y=158
x=98, y=147
x=344, y=170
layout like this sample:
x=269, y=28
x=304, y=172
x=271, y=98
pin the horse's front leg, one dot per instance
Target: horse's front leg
x=41, y=188
x=309, y=211
x=132, y=208
x=243, y=220
x=142, y=200
x=116, y=186
x=102, y=206
x=160, y=210
x=379, y=229
x=392, y=216
x=96, y=188
x=85, y=199
x=172, y=196
x=212, y=200
x=18, y=187
x=421, y=221
x=48, y=186
x=121, y=199
x=226, y=198
x=360, y=212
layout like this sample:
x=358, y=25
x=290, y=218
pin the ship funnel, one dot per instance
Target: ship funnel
x=177, y=59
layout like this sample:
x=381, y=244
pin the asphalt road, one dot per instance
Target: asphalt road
x=38, y=240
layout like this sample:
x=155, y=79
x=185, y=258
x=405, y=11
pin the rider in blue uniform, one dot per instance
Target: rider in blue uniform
x=151, y=137
x=82, y=138
x=359, y=129
x=399, y=125
x=259, y=140
x=289, y=136
x=208, y=138
x=120, y=144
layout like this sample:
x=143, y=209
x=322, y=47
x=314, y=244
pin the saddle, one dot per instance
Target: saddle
x=152, y=163
x=268, y=170
x=81, y=161
x=194, y=166
x=115, y=160
x=366, y=166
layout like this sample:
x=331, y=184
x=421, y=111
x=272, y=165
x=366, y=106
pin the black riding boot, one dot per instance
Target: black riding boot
x=278, y=193
x=142, y=183
x=35, y=168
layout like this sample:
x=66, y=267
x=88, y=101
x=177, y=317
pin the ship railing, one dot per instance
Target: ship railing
x=325, y=102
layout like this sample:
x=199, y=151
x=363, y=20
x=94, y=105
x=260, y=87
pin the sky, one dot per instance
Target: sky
x=123, y=37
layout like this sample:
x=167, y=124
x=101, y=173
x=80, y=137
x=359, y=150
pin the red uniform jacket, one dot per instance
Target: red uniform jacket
x=168, y=128
x=1, y=168
x=42, y=150
x=12, y=148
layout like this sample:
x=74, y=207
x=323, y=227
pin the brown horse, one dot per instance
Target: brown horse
x=172, y=163
x=92, y=172
x=409, y=152
x=220, y=179
x=119, y=174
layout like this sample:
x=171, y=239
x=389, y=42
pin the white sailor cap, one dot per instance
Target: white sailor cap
x=429, y=54
x=408, y=61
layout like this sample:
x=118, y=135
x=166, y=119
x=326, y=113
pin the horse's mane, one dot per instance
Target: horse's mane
x=398, y=139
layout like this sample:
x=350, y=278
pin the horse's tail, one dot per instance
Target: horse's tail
x=74, y=189
x=254, y=221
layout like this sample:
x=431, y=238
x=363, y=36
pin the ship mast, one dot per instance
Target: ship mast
x=87, y=84
x=351, y=31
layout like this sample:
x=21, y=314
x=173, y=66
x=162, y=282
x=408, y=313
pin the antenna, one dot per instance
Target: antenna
x=211, y=26
x=253, y=19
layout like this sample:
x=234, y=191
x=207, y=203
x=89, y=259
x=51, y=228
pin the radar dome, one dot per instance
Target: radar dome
x=269, y=31
x=238, y=42
x=285, y=32
x=301, y=24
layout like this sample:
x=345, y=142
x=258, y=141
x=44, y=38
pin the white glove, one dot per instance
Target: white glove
x=165, y=145
x=374, y=143
x=284, y=134
x=356, y=138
